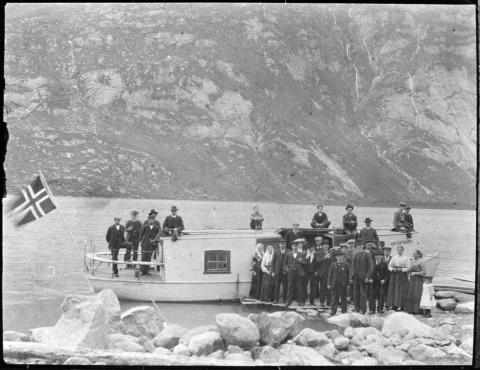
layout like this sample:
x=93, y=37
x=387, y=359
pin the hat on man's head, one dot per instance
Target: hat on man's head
x=116, y=218
x=320, y=205
x=134, y=213
x=318, y=238
x=349, y=206
x=408, y=207
x=344, y=245
x=377, y=252
x=299, y=240
x=153, y=212
x=368, y=220
x=386, y=248
x=174, y=208
x=351, y=241
x=402, y=204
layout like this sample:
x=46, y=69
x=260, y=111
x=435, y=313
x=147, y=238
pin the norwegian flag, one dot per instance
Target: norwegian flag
x=34, y=202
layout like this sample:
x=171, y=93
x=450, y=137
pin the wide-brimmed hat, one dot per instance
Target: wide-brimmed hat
x=368, y=220
x=386, y=248
x=318, y=238
x=349, y=206
x=299, y=240
x=402, y=204
x=173, y=208
x=351, y=241
x=153, y=212
x=320, y=205
x=134, y=213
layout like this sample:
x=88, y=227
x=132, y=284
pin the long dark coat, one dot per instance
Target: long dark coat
x=114, y=237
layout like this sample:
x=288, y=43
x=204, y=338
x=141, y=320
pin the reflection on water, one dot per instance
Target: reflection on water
x=40, y=265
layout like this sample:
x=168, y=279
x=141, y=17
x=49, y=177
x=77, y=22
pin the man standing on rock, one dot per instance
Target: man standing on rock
x=320, y=219
x=115, y=238
x=280, y=276
x=361, y=274
x=292, y=235
x=133, y=228
x=324, y=260
x=368, y=234
x=295, y=263
x=349, y=221
x=148, y=243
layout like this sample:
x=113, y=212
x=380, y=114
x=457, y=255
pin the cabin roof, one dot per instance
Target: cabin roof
x=227, y=234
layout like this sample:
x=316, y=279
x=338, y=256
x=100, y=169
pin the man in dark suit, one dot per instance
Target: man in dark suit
x=377, y=293
x=280, y=276
x=338, y=279
x=310, y=279
x=292, y=235
x=173, y=224
x=154, y=214
x=133, y=228
x=115, y=238
x=324, y=260
x=147, y=240
x=295, y=263
x=399, y=217
x=361, y=274
x=368, y=234
x=408, y=221
x=386, y=258
x=320, y=219
x=349, y=221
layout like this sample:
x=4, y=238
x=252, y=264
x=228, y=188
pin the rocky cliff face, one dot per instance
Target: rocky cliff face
x=304, y=103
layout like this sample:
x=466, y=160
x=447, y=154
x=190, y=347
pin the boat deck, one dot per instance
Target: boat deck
x=126, y=274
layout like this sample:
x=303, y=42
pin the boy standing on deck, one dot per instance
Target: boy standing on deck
x=338, y=279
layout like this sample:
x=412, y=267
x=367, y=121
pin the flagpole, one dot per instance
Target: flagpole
x=42, y=178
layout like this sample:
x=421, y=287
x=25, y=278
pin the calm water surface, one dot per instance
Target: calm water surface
x=41, y=264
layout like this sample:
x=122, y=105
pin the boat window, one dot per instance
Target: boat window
x=217, y=262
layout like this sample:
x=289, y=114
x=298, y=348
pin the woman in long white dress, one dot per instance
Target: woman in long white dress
x=398, y=285
x=267, y=275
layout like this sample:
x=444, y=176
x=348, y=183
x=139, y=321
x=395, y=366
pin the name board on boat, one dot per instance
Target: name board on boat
x=400, y=242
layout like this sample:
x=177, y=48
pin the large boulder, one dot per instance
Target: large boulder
x=86, y=322
x=15, y=336
x=444, y=294
x=267, y=354
x=127, y=343
x=311, y=338
x=185, y=338
x=390, y=356
x=405, y=324
x=181, y=350
x=169, y=336
x=237, y=330
x=422, y=352
x=352, y=319
x=142, y=320
x=447, y=304
x=341, y=343
x=328, y=350
x=377, y=322
x=275, y=328
x=292, y=355
x=205, y=343
x=467, y=307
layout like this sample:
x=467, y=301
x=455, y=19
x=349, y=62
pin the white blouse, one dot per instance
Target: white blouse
x=399, y=261
x=267, y=261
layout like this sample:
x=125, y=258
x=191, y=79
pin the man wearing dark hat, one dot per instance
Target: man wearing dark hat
x=361, y=274
x=408, y=221
x=350, y=221
x=154, y=214
x=399, y=217
x=368, y=234
x=294, y=265
x=173, y=224
x=320, y=219
x=133, y=228
x=378, y=290
x=324, y=260
x=293, y=234
x=337, y=282
x=147, y=240
x=115, y=238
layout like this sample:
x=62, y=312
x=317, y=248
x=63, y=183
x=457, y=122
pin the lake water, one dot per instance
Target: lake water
x=41, y=264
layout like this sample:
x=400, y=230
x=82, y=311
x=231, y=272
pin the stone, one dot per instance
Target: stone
x=377, y=322
x=467, y=344
x=422, y=352
x=268, y=355
x=161, y=351
x=76, y=360
x=181, y=350
x=43, y=334
x=467, y=307
x=346, y=358
x=390, y=356
x=443, y=294
x=219, y=355
x=275, y=328
x=240, y=357
x=146, y=343
x=169, y=336
x=333, y=334
x=205, y=343
x=375, y=339
x=185, y=338
x=341, y=343
x=234, y=348
x=328, y=351
x=455, y=351
x=403, y=323
x=447, y=304
x=366, y=361
x=468, y=327
x=292, y=355
x=352, y=319
x=142, y=320
x=349, y=332
x=237, y=330
x=394, y=340
x=125, y=343
x=15, y=336
x=372, y=349
x=358, y=320
x=310, y=338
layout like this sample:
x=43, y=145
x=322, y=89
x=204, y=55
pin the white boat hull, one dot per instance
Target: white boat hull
x=202, y=291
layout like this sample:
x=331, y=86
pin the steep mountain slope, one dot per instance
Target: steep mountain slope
x=305, y=103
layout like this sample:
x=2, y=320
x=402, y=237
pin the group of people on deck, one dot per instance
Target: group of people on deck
x=147, y=235
x=360, y=271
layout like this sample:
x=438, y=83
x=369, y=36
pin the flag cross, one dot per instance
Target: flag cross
x=34, y=200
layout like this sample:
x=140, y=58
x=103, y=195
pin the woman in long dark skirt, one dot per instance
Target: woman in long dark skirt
x=416, y=272
x=256, y=268
x=398, y=285
x=267, y=273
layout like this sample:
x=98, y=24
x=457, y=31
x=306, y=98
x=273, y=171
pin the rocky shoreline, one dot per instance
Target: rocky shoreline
x=92, y=330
